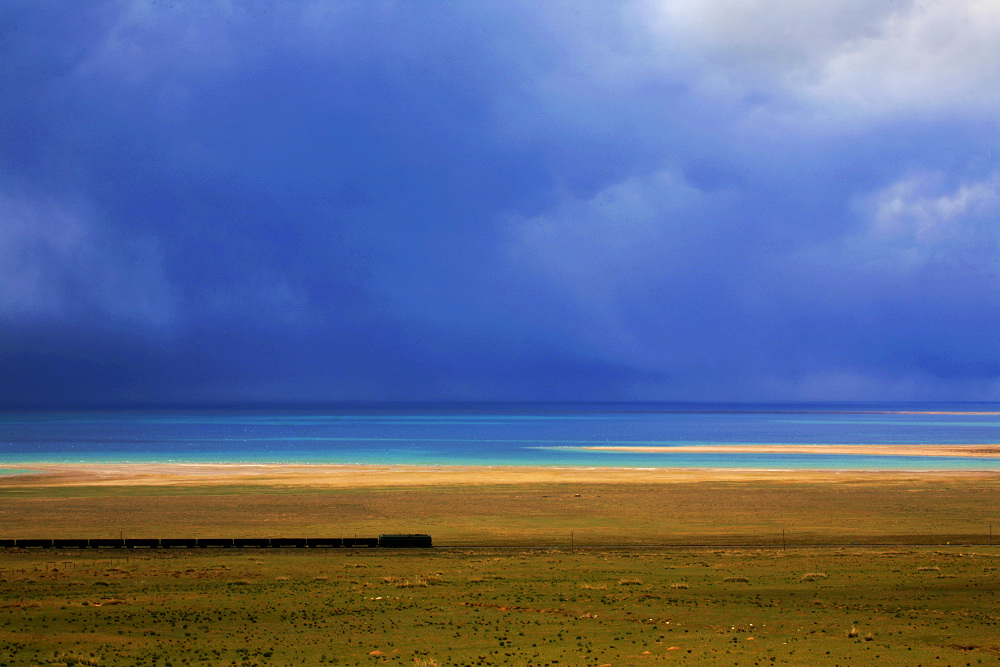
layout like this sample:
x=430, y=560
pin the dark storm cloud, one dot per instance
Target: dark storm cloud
x=220, y=202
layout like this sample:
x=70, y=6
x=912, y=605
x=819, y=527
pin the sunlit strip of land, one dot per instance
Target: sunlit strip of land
x=349, y=476
x=978, y=451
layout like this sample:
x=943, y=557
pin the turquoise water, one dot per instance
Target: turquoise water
x=548, y=435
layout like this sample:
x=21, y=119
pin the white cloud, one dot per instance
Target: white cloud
x=54, y=263
x=845, y=62
x=935, y=57
x=780, y=34
x=918, y=219
x=914, y=212
x=917, y=226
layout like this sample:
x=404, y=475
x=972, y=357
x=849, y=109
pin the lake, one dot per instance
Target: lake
x=503, y=434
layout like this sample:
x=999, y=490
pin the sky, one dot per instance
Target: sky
x=225, y=202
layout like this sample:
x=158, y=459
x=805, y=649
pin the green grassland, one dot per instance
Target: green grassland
x=911, y=606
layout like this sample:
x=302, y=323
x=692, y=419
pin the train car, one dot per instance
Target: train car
x=142, y=543
x=326, y=542
x=252, y=542
x=34, y=544
x=289, y=542
x=409, y=541
x=178, y=542
x=71, y=543
x=215, y=542
x=361, y=542
x=106, y=543
x=8, y=544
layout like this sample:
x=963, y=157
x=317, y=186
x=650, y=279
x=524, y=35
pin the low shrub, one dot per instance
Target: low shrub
x=72, y=659
x=592, y=587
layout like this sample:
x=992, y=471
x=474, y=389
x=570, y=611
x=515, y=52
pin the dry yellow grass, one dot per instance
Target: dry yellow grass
x=490, y=506
x=630, y=582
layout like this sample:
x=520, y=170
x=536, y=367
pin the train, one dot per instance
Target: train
x=388, y=541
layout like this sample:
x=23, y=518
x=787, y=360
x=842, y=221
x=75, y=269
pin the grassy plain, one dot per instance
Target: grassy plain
x=496, y=507
x=910, y=606
x=741, y=600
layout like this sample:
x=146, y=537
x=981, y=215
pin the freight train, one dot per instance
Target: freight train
x=406, y=541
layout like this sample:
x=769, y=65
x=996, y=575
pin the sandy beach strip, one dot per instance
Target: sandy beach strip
x=979, y=451
x=362, y=476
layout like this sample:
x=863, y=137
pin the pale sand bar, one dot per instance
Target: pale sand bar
x=360, y=476
x=979, y=451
